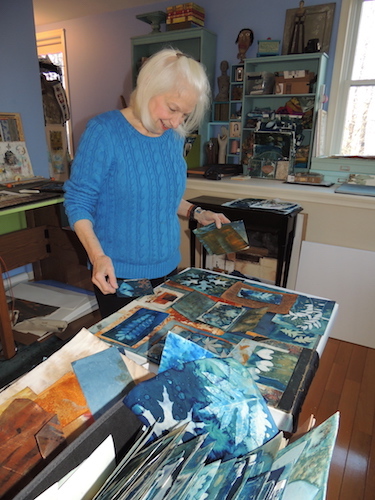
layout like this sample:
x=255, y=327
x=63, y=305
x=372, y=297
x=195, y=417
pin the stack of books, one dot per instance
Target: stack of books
x=185, y=15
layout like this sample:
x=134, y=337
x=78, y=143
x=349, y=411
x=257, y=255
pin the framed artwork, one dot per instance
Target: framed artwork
x=11, y=127
x=239, y=74
x=58, y=151
x=273, y=145
x=308, y=23
x=235, y=129
x=14, y=161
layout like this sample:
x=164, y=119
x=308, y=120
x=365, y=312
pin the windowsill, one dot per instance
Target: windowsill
x=263, y=188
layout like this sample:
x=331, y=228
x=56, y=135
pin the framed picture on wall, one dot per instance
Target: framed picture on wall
x=11, y=127
x=307, y=23
x=14, y=161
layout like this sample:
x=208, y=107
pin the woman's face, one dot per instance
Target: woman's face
x=169, y=110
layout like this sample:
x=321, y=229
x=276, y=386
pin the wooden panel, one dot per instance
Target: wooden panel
x=67, y=261
x=6, y=333
x=49, y=216
x=24, y=246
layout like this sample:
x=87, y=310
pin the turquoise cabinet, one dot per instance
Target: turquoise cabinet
x=246, y=100
x=196, y=42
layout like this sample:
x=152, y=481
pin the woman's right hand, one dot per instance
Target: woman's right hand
x=103, y=274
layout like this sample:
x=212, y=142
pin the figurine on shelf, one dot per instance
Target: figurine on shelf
x=244, y=40
x=297, y=40
x=223, y=83
x=212, y=151
x=223, y=141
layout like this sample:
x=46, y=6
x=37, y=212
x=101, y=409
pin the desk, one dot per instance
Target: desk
x=38, y=239
x=265, y=221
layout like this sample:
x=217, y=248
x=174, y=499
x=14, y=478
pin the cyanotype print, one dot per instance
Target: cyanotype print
x=308, y=315
x=216, y=396
x=187, y=351
x=221, y=315
x=269, y=366
x=259, y=296
x=136, y=327
x=193, y=305
x=104, y=379
x=134, y=288
x=251, y=296
x=229, y=238
x=204, y=281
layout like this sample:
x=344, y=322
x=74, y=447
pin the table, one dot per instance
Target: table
x=179, y=304
x=33, y=235
x=280, y=224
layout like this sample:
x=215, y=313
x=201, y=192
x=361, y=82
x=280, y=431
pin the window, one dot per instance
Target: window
x=351, y=111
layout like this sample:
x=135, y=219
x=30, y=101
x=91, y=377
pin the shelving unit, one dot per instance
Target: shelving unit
x=228, y=114
x=199, y=43
x=238, y=108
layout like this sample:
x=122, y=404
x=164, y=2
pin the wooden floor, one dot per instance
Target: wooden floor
x=345, y=382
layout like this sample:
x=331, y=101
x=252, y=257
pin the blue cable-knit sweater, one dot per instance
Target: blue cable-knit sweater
x=130, y=186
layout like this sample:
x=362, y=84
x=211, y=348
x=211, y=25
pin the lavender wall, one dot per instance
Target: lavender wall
x=99, y=48
x=19, y=81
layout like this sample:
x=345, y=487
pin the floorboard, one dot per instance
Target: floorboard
x=345, y=382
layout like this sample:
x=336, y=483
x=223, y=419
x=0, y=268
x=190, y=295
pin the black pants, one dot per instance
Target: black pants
x=111, y=303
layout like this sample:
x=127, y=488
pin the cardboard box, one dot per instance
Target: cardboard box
x=294, y=85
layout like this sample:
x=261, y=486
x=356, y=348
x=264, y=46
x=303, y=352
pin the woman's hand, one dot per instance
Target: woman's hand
x=206, y=217
x=103, y=274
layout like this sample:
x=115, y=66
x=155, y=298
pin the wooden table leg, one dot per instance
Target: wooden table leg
x=6, y=332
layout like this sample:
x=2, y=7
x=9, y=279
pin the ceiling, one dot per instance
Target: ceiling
x=51, y=11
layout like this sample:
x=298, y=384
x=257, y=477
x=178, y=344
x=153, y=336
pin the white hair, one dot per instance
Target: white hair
x=167, y=70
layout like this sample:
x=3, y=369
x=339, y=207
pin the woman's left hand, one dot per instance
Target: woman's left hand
x=206, y=217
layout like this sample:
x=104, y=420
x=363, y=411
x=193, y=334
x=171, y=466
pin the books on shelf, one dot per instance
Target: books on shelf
x=185, y=13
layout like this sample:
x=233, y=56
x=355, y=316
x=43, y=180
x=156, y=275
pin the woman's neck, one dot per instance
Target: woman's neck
x=136, y=122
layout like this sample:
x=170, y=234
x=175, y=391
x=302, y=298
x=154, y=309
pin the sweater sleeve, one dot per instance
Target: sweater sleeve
x=89, y=168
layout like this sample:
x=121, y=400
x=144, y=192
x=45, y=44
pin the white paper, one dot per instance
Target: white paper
x=83, y=482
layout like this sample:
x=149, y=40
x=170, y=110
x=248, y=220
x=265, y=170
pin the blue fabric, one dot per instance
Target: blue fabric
x=130, y=186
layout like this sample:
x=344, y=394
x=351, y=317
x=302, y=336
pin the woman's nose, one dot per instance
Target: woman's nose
x=176, y=120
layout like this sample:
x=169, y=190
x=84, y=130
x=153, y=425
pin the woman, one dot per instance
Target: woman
x=128, y=178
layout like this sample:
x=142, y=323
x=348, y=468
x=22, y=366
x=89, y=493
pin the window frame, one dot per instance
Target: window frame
x=341, y=77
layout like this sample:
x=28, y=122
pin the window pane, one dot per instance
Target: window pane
x=364, y=67
x=359, y=129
